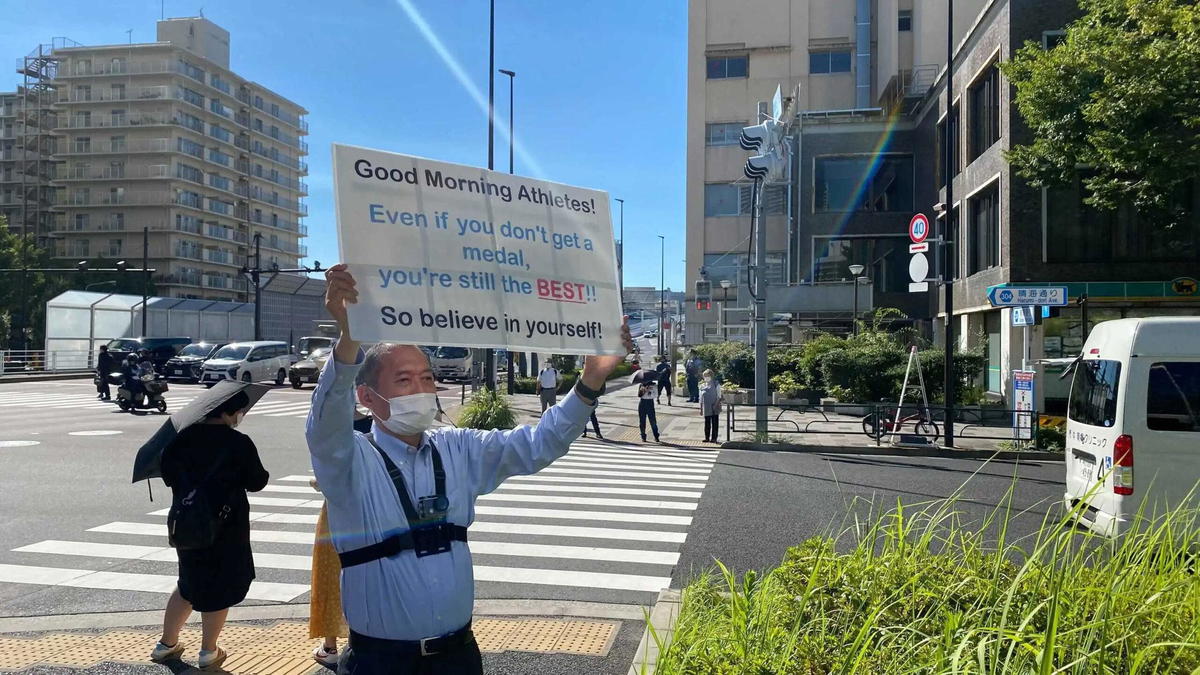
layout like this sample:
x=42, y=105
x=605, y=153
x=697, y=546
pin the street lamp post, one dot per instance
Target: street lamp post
x=489, y=361
x=662, y=287
x=512, y=357
x=726, y=284
x=856, y=272
x=621, y=255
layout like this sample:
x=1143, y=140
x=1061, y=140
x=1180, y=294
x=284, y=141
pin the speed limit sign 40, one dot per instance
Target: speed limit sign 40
x=918, y=228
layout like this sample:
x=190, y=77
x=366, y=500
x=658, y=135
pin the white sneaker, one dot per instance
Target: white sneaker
x=163, y=653
x=325, y=656
x=211, y=660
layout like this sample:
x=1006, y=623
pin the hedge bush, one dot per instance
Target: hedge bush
x=487, y=410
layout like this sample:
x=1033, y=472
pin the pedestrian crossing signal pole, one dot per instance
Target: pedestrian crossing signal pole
x=770, y=165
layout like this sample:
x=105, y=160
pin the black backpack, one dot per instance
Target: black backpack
x=198, y=511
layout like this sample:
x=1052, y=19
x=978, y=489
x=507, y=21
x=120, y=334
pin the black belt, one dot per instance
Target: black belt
x=426, y=647
x=423, y=540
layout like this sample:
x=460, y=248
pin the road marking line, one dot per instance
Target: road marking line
x=159, y=529
x=296, y=477
x=122, y=581
x=290, y=488
x=588, y=489
x=277, y=501
x=568, y=461
x=590, y=501
x=572, y=470
x=544, y=577
x=577, y=531
x=662, y=463
x=536, y=478
x=610, y=516
x=648, y=452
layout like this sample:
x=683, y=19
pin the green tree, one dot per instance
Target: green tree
x=22, y=302
x=1119, y=98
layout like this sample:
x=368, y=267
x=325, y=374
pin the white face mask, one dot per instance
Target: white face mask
x=410, y=415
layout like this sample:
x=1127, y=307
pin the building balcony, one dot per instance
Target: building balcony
x=280, y=224
x=121, y=198
x=164, y=118
x=156, y=93
x=114, y=172
x=285, y=160
x=117, y=148
x=179, y=279
x=286, y=246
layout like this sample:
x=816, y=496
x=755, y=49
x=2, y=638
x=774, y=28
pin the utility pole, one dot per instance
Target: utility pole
x=512, y=356
x=145, y=276
x=948, y=247
x=489, y=361
x=256, y=277
x=662, y=289
x=760, y=313
x=621, y=255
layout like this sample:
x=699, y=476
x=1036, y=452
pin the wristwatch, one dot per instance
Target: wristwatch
x=589, y=393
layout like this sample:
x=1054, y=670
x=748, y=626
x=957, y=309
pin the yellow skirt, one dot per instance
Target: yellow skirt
x=325, y=617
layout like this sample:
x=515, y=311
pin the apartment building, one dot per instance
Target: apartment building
x=164, y=139
x=868, y=153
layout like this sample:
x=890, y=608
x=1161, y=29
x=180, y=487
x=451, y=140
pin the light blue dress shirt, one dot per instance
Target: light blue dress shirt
x=405, y=597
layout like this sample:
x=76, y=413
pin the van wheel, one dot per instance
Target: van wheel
x=246, y=377
x=297, y=384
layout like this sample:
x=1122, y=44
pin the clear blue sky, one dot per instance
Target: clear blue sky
x=600, y=89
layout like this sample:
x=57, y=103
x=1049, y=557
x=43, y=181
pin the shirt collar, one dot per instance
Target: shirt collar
x=386, y=440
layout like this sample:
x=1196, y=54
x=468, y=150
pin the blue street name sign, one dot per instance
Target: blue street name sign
x=1015, y=296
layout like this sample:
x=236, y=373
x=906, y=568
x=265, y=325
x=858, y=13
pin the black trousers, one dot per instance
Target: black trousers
x=712, y=424
x=595, y=425
x=102, y=388
x=646, y=412
x=693, y=387
x=465, y=660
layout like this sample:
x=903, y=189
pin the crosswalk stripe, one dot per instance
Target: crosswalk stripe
x=589, y=501
x=573, y=471
x=291, y=488
x=296, y=478
x=568, y=461
x=122, y=581
x=588, y=489
x=606, y=580
x=92, y=549
x=575, y=455
x=255, y=500
x=614, y=516
x=575, y=531
x=536, y=478
x=159, y=530
x=646, y=452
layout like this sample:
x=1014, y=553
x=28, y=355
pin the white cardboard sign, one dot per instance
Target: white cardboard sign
x=447, y=254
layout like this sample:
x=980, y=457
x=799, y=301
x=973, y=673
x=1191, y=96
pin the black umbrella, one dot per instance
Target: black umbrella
x=645, y=375
x=148, y=463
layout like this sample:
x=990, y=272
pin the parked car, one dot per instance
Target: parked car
x=162, y=349
x=188, y=364
x=1135, y=392
x=309, y=369
x=305, y=346
x=452, y=363
x=248, y=362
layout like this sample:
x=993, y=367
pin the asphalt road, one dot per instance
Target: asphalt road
x=760, y=503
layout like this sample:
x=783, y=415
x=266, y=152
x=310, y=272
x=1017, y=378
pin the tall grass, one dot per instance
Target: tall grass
x=917, y=590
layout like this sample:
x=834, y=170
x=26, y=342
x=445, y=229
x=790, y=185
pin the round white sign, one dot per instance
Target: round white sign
x=918, y=267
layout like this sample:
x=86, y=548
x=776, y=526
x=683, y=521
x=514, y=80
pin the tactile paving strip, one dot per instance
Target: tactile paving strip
x=283, y=649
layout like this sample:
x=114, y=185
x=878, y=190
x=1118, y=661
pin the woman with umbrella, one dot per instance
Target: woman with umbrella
x=212, y=456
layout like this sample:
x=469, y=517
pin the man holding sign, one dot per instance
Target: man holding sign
x=400, y=500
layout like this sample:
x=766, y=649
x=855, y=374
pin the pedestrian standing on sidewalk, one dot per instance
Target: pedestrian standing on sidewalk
x=692, y=368
x=105, y=364
x=711, y=399
x=401, y=498
x=664, y=379
x=325, y=618
x=646, y=409
x=548, y=381
x=212, y=456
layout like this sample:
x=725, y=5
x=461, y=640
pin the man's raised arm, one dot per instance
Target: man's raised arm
x=330, y=429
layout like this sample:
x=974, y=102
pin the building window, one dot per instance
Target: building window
x=1076, y=232
x=117, y=143
x=1053, y=38
x=83, y=67
x=984, y=99
x=864, y=183
x=191, y=122
x=114, y=248
x=985, y=229
x=821, y=63
x=904, y=23
x=191, y=71
x=886, y=260
x=733, y=267
x=81, y=221
x=81, y=144
x=218, y=206
x=116, y=221
x=192, y=97
x=217, y=132
x=218, y=181
x=217, y=83
x=191, y=199
x=940, y=159
x=722, y=67
x=722, y=133
x=83, y=92
x=189, y=173
x=737, y=199
x=116, y=92
x=118, y=117
x=81, y=196
x=191, y=147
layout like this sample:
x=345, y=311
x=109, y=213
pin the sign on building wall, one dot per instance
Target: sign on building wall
x=447, y=254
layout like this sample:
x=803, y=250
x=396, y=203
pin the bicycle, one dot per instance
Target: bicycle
x=875, y=427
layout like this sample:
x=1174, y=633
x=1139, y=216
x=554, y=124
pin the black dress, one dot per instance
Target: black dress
x=217, y=577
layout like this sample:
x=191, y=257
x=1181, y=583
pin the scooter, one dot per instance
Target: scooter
x=153, y=386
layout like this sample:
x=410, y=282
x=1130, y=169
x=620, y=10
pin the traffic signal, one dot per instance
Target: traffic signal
x=770, y=164
x=703, y=294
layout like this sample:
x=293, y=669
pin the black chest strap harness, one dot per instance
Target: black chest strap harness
x=428, y=532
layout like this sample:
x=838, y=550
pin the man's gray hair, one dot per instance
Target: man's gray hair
x=368, y=373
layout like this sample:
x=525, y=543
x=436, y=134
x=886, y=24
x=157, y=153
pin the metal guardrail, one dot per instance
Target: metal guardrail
x=878, y=421
x=13, y=361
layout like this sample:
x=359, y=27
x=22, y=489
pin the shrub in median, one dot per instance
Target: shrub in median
x=919, y=592
x=487, y=410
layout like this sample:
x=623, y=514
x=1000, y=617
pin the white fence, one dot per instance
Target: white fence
x=41, y=361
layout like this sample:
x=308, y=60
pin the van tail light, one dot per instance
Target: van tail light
x=1122, y=475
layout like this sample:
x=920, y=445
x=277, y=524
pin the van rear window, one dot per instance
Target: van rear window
x=1173, y=397
x=1094, y=392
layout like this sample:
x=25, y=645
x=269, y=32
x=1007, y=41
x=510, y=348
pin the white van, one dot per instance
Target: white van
x=1135, y=394
x=248, y=362
x=452, y=363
